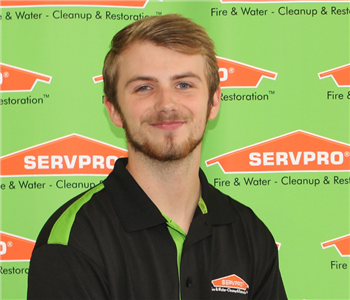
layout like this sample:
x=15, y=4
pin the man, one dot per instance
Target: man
x=155, y=228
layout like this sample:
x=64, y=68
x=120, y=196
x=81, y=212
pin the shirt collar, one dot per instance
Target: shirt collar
x=136, y=211
x=218, y=204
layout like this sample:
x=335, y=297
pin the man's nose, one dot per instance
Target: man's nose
x=166, y=101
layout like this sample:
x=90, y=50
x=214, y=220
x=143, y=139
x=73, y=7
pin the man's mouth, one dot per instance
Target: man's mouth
x=168, y=124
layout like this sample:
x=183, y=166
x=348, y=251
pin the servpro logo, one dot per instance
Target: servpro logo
x=15, y=248
x=70, y=155
x=231, y=284
x=340, y=75
x=14, y=79
x=342, y=244
x=297, y=151
x=112, y=3
x=233, y=74
x=97, y=79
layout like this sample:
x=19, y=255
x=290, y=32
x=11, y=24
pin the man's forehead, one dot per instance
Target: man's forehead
x=145, y=58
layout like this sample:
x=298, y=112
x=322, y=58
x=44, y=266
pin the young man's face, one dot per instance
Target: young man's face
x=163, y=97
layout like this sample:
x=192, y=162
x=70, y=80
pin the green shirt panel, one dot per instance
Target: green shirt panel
x=178, y=235
x=61, y=229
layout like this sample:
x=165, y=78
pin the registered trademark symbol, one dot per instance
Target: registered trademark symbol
x=6, y=74
x=10, y=244
x=347, y=153
x=231, y=70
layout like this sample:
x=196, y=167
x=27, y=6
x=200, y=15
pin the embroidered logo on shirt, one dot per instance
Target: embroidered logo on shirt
x=231, y=284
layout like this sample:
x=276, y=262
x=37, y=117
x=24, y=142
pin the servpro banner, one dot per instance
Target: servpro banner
x=280, y=145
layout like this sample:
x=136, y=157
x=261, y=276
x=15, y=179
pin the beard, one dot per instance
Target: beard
x=167, y=150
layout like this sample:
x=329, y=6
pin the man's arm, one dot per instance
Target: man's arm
x=267, y=275
x=60, y=272
x=271, y=286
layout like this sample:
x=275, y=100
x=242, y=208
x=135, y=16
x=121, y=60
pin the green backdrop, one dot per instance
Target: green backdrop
x=296, y=40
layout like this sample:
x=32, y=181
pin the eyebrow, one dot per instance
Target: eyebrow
x=185, y=75
x=150, y=78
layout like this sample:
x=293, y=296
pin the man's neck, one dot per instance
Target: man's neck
x=174, y=187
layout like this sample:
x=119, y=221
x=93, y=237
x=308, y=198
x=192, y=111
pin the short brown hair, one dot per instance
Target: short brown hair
x=171, y=31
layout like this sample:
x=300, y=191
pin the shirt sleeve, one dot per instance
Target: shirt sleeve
x=267, y=275
x=61, y=272
x=271, y=286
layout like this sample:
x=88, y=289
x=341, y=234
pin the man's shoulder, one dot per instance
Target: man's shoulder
x=243, y=217
x=226, y=203
x=222, y=207
x=57, y=229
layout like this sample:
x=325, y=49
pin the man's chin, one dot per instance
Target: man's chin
x=162, y=155
x=166, y=153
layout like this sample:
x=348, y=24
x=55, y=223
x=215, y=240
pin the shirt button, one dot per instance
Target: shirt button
x=189, y=282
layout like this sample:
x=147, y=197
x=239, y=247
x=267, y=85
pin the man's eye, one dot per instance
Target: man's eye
x=142, y=88
x=183, y=85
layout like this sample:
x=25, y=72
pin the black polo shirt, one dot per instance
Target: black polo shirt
x=112, y=242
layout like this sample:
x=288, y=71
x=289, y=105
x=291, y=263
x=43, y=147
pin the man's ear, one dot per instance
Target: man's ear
x=113, y=113
x=216, y=104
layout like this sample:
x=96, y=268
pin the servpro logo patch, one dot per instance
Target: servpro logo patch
x=340, y=75
x=297, y=151
x=230, y=284
x=112, y=3
x=69, y=155
x=233, y=74
x=15, y=248
x=342, y=244
x=14, y=79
